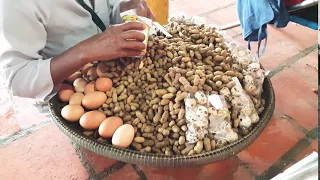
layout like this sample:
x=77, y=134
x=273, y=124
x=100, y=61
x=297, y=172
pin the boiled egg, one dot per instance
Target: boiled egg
x=72, y=112
x=76, y=98
x=90, y=87
x=80, y=84
x=94, y=100
x=65, y=92
x=123, y=136
x=109, y=126
x=91, y=120
x=103, y=84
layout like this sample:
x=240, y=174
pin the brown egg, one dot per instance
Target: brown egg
x=101, y=69
x=65, y=92
x=91, y=120
x=90, y=87
x=72, y=112
x=103, y=84
x=94, y=100
x=123, y=136
x=92, y=72
x=86, y=68
x=79, y=84
x=74, y=76
x=109, y=126
x=76, y=98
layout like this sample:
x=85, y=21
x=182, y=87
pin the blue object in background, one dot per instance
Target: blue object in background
x=304, y=22
x=254, y=15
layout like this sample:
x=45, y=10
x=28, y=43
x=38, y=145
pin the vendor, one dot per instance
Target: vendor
x=43, y=42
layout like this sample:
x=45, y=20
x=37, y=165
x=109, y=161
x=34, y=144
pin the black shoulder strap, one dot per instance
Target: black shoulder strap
x=95, y=17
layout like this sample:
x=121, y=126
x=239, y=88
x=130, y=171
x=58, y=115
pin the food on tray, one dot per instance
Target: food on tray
x=65, y=92
x=123, y=136
x=192, y=93
x=79, y=84
x=76, y=98
x=72, y=112
x=90, y=87
x=74, y=76
x=109, y=126
x=103, y=84
x=94, y=100
x=91, y=120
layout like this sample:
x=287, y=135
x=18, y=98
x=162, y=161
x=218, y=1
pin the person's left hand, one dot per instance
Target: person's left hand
x=141, y=6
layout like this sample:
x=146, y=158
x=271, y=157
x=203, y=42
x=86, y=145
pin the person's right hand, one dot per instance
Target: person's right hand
x=113, y=43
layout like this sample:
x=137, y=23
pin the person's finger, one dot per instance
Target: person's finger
x=132, y=26
x=138, y=36
x=131, y=53
x=132, y=44
x=141, y=11
x=150, y=15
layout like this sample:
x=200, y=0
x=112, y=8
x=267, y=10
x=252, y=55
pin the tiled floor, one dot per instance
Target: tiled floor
x=32, y=147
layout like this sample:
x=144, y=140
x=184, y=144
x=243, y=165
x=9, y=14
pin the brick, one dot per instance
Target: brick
x=44, y=154
x=126, y=172
x=237, y=29
x=172, y=173
x=28, y=114
x=8, y=115
x=98, y=162
x=234, y=33
x=223, y=16
x=231, y=33
x=8, y=125
x=223, y=170
x=288, y=166
x=181, y=6
x=219, y=170
x=276, y=139
x=312, y=148
x=243, y=174
x=198, y=8
x=221, y=3
x=184, y=6
x=307, y=73
x=295, y=35
x=295, y=99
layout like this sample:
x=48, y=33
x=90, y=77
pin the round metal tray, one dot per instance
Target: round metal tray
x=73, y=131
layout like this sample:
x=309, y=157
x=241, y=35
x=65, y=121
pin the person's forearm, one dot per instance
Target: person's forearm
x=67, y=63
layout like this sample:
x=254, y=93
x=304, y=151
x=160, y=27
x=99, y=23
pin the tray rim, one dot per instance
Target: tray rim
x=156, y=160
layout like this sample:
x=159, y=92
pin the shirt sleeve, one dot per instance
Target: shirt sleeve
x=115, y=11
x=22, y=37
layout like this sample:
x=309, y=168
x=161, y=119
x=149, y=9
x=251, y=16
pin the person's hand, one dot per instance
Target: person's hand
x=141, y=6
x=117, y=41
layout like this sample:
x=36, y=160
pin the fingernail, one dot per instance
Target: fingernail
x=142, y=53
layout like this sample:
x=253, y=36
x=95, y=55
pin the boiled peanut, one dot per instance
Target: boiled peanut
x=207, y=144
x=199, y=146
x=139, y=139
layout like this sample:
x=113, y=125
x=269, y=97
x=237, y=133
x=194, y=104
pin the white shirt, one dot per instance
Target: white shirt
x=34, y=31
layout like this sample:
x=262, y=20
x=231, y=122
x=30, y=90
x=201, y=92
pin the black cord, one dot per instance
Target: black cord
x=95, y=18
x=92, y=4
